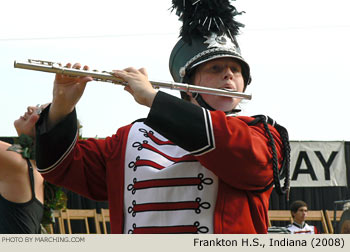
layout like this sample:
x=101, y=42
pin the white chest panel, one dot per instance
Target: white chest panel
x=166, y=189
x=307, y=229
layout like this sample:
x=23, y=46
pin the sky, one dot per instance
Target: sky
x=297, y=50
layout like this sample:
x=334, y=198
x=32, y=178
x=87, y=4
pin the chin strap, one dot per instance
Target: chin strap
x=205, y=105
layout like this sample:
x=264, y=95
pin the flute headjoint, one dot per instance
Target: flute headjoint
x=44, y=62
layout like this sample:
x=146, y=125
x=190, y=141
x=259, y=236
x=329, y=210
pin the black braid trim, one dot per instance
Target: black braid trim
x=284, y=172
x=285, y=169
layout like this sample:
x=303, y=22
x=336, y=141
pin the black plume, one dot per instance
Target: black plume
x=202, y=17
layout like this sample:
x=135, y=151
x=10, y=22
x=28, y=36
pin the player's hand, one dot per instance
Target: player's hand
x=138, y=85
x=67, y=92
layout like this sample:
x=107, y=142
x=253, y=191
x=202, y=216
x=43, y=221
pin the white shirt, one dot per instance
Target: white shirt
x=296, y=228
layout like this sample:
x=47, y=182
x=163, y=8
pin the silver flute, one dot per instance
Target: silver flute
x=52, y=67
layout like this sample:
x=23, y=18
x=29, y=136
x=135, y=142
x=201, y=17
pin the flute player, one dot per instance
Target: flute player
x=193, y=165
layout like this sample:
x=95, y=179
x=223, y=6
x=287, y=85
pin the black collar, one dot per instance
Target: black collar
x=299, y=225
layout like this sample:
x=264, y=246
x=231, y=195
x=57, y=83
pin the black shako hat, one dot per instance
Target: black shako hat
x=208, y=33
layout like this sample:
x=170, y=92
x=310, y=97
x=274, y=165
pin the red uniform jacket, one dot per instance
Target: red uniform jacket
x=236, y=153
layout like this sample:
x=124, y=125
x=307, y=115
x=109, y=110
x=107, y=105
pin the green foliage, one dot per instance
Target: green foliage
x=24, y=145
x=54, y=199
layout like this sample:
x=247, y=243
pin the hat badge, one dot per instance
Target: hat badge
x=220, y=41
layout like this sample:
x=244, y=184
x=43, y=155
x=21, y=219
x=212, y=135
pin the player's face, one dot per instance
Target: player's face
x=26, y=123
x=222, y=73
x=300, y=215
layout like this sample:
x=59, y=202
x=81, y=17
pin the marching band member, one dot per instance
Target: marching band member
x=298, y=210
x=193, y=165
x=21, y=185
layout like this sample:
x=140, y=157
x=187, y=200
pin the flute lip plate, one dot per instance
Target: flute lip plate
x=229, y=90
